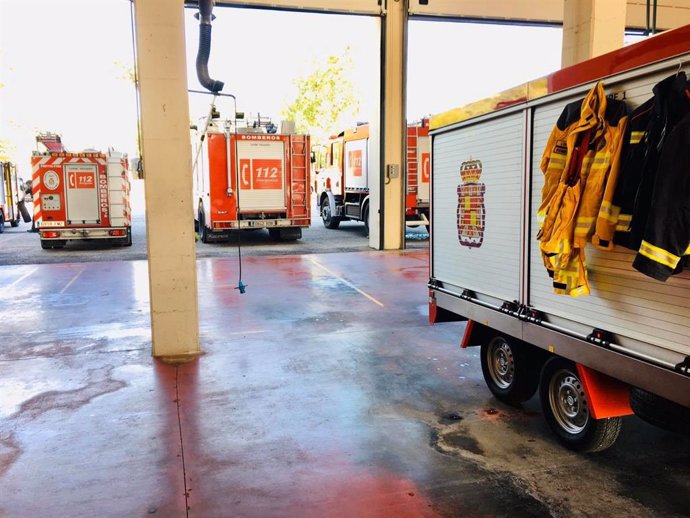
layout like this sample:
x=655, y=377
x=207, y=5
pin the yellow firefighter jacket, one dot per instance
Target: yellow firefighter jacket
x=580, y=165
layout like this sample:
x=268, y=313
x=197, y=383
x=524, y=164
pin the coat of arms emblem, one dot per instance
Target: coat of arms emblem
x=471, y=212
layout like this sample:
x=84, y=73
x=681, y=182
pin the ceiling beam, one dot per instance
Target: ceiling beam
x=670, y=13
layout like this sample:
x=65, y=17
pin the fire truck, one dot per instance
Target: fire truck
x=250, y=177
x=342, y=187
x=11, y=196
x=597, y=326
x=80, y=196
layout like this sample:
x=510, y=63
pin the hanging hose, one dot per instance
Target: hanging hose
x=205, y=18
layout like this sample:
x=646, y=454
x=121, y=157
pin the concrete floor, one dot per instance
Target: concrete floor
x=323, y=392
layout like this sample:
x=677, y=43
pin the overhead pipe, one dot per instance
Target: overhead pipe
x=205, y=17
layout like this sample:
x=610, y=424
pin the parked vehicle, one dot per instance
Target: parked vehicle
x=11, y=196
x=80, y=196
x=343, y=180
x=247, y=178
x=596, y=337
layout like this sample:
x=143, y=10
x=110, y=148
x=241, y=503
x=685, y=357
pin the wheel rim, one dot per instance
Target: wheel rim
x=568, y=402
x=501, y=363
x=326, y=212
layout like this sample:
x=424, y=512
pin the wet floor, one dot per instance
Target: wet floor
x=322, y=392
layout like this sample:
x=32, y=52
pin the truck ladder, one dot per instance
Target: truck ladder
x=412, y=177
x=299, y=177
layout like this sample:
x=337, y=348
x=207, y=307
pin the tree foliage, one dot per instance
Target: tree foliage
x=325, y=98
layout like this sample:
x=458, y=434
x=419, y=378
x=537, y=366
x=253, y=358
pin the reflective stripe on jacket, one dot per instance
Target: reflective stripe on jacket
x=580, y=165
x=667, y=233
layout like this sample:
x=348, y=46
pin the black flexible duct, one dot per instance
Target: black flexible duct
x=205, y=18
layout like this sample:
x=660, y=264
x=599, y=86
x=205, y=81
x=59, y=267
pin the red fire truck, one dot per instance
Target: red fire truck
x=80, y=196
x=342, y=186
x=247, y=178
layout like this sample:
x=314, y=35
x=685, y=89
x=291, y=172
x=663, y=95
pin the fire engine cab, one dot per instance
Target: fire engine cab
x=342, y=187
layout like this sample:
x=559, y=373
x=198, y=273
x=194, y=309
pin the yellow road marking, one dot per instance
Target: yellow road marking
x=346, y=282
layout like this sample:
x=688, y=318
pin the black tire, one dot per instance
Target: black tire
x=511, y=369
x=660, y=412
x=365, y=217
x=329, y=220
x=203, y=231
x=2, y=223
x=566, y=410
x=46, y=245
x=127, y=241
x=274, y=234
x=15, y=222
x=59, y=243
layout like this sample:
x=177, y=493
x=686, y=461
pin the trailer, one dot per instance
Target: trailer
x=342, y=186
x=246, y=178
x=618, y=344
x=80, y=196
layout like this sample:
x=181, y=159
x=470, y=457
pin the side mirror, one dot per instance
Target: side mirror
x=312, y=157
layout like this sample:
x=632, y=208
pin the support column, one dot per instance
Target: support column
x=167, y=154
x=393, y=124
x=591, y=28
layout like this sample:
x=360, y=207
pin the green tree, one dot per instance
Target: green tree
x=325, y=98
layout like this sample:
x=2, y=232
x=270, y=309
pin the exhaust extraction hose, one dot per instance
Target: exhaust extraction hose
x=205, y=18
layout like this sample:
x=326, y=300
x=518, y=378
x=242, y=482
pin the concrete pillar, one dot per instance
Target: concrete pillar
x=591, y=28
x=167, y=158
x=393, y=124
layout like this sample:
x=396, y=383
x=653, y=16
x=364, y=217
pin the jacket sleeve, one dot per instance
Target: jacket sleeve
x=667, y=234
x=607, y=219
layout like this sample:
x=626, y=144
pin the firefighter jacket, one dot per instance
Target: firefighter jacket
x=650, y=123
x=667, y=233
x=580, y=165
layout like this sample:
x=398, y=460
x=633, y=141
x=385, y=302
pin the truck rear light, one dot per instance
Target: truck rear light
x=328, y=183
x=120, y=232
x=50, y=233
x=222, y=224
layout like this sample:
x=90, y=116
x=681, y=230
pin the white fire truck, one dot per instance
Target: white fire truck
x=80, y=196
x=342, y=185
x=11, y=195
x=623, y=348
x=246, y=178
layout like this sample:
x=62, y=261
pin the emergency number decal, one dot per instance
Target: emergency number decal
x=471, y=212
x=426, y=167
x=354, y=162
x=81, y=180
x=261, y=173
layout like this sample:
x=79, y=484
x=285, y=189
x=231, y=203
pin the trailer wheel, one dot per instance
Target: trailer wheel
x=660, y=411
x=59, y=243
x=274, y=234
x=15, y=222
x=2, y=223
x=127, y=241
x=510, y=369
x=566, y=410
x=329, y=220
x=46, y=245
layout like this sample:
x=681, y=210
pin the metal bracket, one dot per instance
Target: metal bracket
x=684, y=366
x=467, y=295
x=600, y=337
